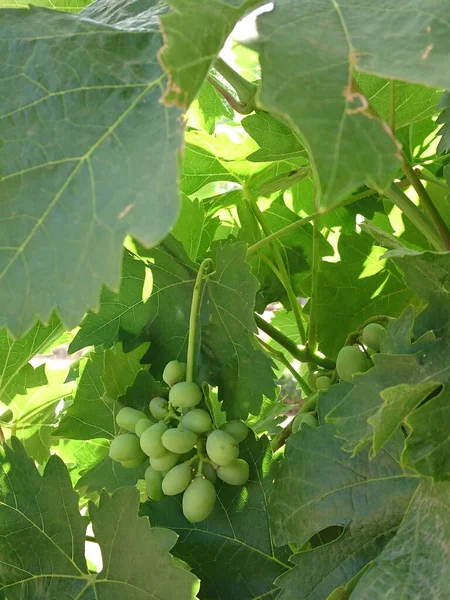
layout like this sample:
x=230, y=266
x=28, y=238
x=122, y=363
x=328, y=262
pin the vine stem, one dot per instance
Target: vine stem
x=252, y=250
x=285, y=279
x=415, y=215
x=280, y=440
x=435, y=215
x=237, y=105
x=281, y=357
x=312, y=329
x=302, y=354
x=246, y=90
x=203, y=269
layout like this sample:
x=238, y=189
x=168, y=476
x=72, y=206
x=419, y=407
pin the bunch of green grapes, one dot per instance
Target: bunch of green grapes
x=187, y=454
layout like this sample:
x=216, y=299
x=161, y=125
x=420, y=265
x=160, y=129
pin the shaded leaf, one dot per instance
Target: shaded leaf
x=190, y=226
x=71, y=213
x=237, y=533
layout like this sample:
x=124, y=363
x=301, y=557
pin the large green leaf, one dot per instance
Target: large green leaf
x=105, y=375
x=314, y=46
x=66, y=5
x=194, y=34
x=226, y=352
x=122, y=315
x=319, y=486
x=416, y=563
x=73, y=179
x=42, y=538
x=17, y=374
x=237, y=533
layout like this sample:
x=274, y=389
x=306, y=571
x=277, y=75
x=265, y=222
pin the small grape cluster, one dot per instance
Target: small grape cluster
x=187, y=454
x=350, y=361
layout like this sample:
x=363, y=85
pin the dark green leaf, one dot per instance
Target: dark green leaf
x=237, y=533
x=415, y=564
x=71, y=212
x=109, y=475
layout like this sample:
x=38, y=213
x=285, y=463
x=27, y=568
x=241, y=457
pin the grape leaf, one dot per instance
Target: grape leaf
x=56, y=143
x=427, y=448
x=318, y=486
x=412, y=102
x=237, y=533
x=276, y=140
x=208, y=108
x=227, y=355
x=42, y=537
x=109, y=475
x=423, y=362
x=194, y=34
x=190, y=225
x=16, y=372
x=104, y=376
x=122, y=315
x=201, y=167
x=81, y=455
x=362, y=284
x=444, y=120
x=415, y=563
x=35, y=414
x=72, y=6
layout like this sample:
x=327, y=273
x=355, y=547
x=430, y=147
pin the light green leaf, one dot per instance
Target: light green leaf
x=41, y=512
x=416, y=562
x=208, y=108
x=122, y=315
x=194, y=34
x=81, y=455
x=237, y=533
x=427, y=448
x=109, y=475
x=72, y=169
x=276, y=141
x=73, y=6
x=16, y=372
x=35, y=414
x=104, y=376
x=317, y=486
x=201, y=167
x=189, y=227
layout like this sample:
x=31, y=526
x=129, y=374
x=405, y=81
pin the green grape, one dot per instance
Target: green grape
x=221, y=447
x=164, y=462
x=302, y=418
x=236, y=429
x=142, y=425
x=209, y=472
x=151, y=440
x=323, y=382
x=125, y=447
x=153, y=483
x=198, y=500
x=179, y=440
x=236, y=473
x=7, y=416
x=158, y=408
x=350, y=360
x=132, y=464
x=196, y=420
x=185, y=394
x=174, y=372
x=128, y=417
x=177, y=480
x=372, y=335
x=311, y=380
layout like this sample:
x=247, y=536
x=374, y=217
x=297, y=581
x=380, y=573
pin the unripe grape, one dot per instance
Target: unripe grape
x=142, y=425
x=209, y=472
x=151, y=440
x=236, y=473
x=198, y=500
x=174, y=372
x=186, y=394
x=158, y=408
x=153, y=483
x=164, y=462
x=303, y=418
x=196, y=420
x=127, y=418
x=323, y=382
x=236, y=429
x=177, y=480
x=179, y=440
x=350, y=360
x=221, y=447
x=372, y=335
x=132, y=464
x=125, y=447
